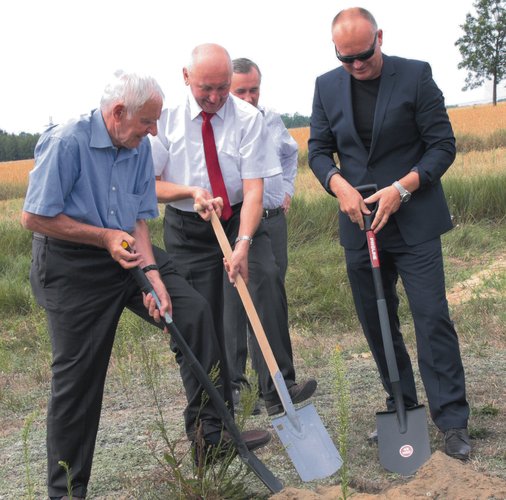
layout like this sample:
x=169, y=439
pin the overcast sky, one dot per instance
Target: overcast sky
x=57, y=54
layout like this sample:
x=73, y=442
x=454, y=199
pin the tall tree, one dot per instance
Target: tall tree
x=483, y=45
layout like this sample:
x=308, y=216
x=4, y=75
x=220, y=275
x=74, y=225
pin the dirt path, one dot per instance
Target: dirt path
x=463, y=291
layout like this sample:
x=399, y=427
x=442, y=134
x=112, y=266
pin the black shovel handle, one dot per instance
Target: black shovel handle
x=262, y=472
x=386, y=333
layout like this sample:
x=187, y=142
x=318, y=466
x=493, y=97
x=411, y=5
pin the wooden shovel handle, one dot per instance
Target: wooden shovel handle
x=246, y=299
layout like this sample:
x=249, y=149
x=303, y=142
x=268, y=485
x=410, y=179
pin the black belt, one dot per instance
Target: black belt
x=271, y=212
x=62, y=243
x=195, y=215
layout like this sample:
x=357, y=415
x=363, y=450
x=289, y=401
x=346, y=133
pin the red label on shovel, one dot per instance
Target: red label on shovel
x=373, y=249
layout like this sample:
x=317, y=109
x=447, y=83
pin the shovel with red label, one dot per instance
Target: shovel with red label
x=403, y=435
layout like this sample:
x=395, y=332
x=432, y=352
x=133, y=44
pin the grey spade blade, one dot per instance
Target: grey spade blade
x=404, y=452
x=308, y=444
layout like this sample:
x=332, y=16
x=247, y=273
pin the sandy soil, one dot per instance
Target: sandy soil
x=441, y=477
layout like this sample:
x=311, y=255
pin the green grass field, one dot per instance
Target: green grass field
x=129, y=457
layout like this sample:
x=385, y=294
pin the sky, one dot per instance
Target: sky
x=57, y=55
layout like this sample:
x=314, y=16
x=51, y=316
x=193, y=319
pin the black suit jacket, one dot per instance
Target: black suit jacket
x=411, y=130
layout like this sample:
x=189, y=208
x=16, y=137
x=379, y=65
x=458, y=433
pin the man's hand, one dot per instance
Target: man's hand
x=159, y=287
x=239, y=262
x=350, y=200
x=163, y=296
x=113, y=239
x=287, y=201
x=388, y=201
x=204, y=203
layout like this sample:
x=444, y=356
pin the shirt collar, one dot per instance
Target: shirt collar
x=195, y=109
x=100, y=138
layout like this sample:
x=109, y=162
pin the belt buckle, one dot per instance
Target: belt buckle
x=266, y=215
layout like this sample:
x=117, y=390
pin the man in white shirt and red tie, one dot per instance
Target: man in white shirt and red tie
x=277, y=197
x=246, y=156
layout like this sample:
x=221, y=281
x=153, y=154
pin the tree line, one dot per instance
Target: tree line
x=20, y=147
x=17, y=147
x=295, y=120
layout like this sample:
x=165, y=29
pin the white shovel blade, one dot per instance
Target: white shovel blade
x=311, y=450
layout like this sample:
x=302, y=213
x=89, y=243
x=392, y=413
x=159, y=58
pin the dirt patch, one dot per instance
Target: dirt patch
x=440, y=477
x=463, y=291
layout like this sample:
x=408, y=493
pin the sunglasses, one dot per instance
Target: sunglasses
x=363, y=56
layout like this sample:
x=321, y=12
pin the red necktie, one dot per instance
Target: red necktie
x=213, y=165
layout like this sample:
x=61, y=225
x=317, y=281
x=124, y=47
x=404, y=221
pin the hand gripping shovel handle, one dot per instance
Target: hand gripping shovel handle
x=264, y=474
x=386, y=333
x=257, y=327
x=301, y=431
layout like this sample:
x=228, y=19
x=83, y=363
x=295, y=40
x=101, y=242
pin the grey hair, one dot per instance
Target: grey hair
x=364, y=13
x=131, y=89
x=243, y=65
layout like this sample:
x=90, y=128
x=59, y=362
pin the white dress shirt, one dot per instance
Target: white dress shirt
x=242, y=141
x=276, y=187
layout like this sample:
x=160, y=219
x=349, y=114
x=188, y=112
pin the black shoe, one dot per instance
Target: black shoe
x=457, y=444
x=66, y=498
x=298, y=393
x=218, y=446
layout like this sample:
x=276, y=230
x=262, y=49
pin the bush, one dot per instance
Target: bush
x=496, y=139
x=469, y=142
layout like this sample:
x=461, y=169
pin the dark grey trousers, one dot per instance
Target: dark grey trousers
x=235, y=321
x=191, y=243
x=84, y=293
x=421, y=270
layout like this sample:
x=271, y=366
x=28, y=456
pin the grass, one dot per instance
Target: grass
x=144, y=388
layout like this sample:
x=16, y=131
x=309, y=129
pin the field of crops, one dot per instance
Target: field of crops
x=480, y=120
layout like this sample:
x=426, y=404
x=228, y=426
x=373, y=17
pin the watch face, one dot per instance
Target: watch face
x=405, y=197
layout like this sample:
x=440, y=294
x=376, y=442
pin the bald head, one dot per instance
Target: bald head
x=358, y=43
x=209, y=75
x=350, y=15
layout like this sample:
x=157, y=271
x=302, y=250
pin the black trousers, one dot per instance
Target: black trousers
x=421, y=270
x=84, y=292
x=191, y=243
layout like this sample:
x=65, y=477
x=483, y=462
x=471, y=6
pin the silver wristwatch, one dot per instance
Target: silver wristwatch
x=405, y=194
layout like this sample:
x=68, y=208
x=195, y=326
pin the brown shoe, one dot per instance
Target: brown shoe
x=298, y=394
x=253, y=439
x=219, y=446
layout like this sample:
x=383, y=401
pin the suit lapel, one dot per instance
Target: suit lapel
x=348, y=106
x=386, y=87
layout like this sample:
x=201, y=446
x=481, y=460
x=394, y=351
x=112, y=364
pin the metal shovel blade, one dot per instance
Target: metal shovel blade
x=402, y=452
x=308, y=444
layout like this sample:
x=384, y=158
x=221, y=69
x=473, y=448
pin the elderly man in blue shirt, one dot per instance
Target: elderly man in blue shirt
x=92, y=188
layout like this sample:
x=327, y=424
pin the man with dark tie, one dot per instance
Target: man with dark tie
x=191, y=172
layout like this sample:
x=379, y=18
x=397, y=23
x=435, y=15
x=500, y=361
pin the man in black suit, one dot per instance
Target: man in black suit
x=386, y=120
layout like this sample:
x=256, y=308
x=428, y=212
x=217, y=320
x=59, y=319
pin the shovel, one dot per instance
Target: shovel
x=403, y=435
x=301, y=431
x=262, y=472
